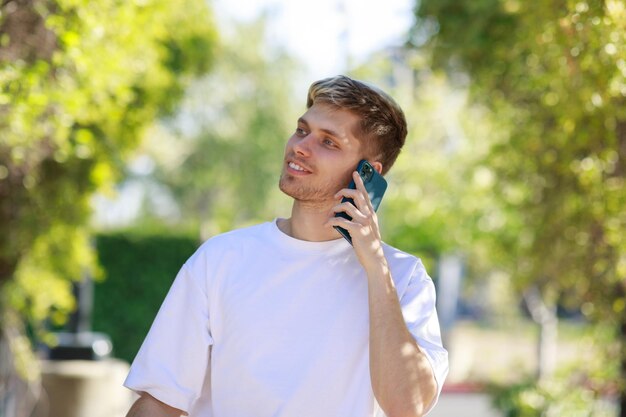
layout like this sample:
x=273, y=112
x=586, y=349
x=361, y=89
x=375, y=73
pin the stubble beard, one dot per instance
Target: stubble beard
x=307, y=193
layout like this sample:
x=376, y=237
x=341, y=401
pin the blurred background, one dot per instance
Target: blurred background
x=132, y=131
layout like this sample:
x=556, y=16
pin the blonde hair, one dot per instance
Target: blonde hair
x=383, y=125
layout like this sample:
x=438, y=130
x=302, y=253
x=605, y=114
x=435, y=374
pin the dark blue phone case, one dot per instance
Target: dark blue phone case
x=375, y=185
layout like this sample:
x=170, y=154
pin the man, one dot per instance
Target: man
x=286, y=318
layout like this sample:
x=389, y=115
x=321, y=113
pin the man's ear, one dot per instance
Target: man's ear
x=377, y=166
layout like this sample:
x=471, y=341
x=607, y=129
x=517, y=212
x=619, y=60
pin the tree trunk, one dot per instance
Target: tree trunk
x=548, y=344
x=545, y=316
x=18, y=397
x=622, y=382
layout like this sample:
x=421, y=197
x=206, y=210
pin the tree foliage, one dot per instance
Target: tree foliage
x=438, y=195
x=230, y=134
x=79, y=83
x=553, y=75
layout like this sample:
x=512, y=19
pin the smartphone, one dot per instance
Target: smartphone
x=375, y=185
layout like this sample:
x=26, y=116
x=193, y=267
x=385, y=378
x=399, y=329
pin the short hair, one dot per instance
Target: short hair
x=383, y=124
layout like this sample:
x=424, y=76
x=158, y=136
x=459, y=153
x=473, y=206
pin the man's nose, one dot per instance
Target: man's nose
x=302, y=146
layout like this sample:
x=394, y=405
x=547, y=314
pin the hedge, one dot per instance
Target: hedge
x=139, y=271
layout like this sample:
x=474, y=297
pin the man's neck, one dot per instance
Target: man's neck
x=307, y=222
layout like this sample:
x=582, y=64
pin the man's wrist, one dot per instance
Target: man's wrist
x=378, y=270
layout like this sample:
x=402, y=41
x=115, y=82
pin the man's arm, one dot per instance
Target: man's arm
x=402, y=378
x=148, y=406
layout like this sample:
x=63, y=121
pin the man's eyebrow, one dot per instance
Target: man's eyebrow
x=329, y=132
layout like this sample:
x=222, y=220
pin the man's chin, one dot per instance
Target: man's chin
x=290, y=189
x=282, y=184
x=300, y=193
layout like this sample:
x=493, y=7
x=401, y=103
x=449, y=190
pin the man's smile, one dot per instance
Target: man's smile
x=297, y=168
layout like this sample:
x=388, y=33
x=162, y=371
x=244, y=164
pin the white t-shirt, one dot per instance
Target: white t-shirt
x=282, y=325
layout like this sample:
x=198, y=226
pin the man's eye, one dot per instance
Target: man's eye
x=300, y=131
x=328, y=142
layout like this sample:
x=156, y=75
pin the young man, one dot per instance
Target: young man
x=286, y=318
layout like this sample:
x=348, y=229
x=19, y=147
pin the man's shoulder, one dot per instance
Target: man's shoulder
x=238, y=237
x=399, y=259
x=230, y=245
x=393, y=253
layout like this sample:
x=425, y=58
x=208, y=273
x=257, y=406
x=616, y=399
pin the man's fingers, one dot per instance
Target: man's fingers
x=360, y=185
x=361, y=201
x=349, y=209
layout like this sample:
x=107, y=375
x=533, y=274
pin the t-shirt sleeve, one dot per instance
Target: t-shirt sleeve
x=173, y=359
x=420, y=315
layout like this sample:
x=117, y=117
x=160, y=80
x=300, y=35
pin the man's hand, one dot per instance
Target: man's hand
x=363, y=227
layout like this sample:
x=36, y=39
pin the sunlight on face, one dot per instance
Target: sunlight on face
x=321, y=155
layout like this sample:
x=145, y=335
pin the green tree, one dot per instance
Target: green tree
x=79, y=83
x=230, y=134
x=553, y=75
x=439, y=193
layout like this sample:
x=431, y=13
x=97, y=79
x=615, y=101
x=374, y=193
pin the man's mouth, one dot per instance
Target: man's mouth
x=297, y=167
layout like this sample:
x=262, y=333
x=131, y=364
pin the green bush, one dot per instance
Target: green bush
x=553, y=398
x=138, y=273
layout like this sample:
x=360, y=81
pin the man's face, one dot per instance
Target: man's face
x=321, y=154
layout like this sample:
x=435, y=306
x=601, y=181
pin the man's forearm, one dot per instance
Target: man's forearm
x=148, y=406
x=402, y=378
